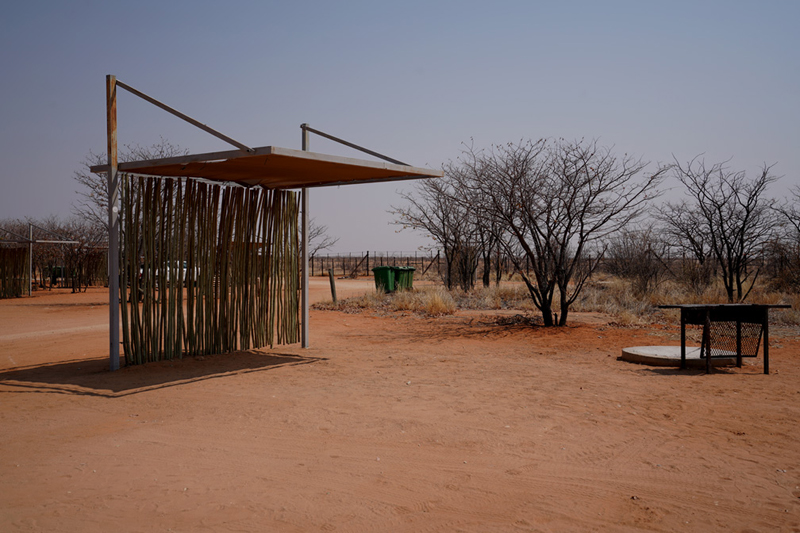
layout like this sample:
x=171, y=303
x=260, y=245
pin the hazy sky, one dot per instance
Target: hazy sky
x=409, y=79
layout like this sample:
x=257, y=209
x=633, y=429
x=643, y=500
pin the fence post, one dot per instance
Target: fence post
x=333, y=285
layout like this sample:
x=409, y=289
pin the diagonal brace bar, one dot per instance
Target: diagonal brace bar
x=306, y=127
x=187, y=118
x=61, y=237
x=17, y=235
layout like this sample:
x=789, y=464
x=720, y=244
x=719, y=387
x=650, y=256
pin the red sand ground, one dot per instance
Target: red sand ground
x=389, y=423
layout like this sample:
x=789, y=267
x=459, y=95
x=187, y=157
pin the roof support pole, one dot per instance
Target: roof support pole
x=307, y=128
x=113, y=223
x=304, y=299
x=30, y=258
x=181, y=116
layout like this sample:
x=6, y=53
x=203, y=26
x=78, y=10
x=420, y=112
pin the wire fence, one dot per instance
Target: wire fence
x=355, y=264
x=428, y=264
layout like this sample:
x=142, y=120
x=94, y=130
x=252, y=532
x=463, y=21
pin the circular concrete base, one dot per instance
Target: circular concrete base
x=671, y=356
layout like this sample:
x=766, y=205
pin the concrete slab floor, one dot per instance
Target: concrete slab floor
x=671, y=356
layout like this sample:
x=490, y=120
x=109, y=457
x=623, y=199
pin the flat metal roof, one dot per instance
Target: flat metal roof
x=273, y=167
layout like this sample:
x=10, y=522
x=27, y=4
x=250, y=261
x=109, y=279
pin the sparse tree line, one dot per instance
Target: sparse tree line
x=76, y=265
x=562, y=210
x=79, y=265
x=558, y=210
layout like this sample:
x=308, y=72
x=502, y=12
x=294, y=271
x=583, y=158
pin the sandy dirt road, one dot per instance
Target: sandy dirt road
x=389, y=423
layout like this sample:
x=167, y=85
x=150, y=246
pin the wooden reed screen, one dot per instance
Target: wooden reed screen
x=206, y=268
x=13, y=272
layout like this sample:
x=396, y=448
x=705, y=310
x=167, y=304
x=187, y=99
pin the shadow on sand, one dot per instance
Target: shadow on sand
x=675, y=371
x=91, y=377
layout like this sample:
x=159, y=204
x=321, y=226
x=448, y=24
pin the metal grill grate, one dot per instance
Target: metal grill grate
x=723, y=337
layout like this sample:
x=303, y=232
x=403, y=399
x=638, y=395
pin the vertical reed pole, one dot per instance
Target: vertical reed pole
x=191, y=205
x=125, y=209
x=180, y=227
x=137, y=289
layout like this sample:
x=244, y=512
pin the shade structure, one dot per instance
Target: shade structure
x=273, y=167
x=269, y=167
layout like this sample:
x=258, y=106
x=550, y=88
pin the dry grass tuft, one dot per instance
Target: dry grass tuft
x=438, y=302
x=405, y=301
x=371, y=300
x=504, y=297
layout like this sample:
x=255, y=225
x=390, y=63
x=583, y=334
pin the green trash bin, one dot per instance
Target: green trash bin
x=404, y=278
x=384, y=278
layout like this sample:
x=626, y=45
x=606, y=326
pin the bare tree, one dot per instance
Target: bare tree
x=555, y=202
x=637, y=255
x=433, y=210
x=83, y=256
x=93, y=202
x=318, y=238
x=48, y=259
x=791, y=212
x=488, y=244
x=784, y=251
x=726, y=216
x=696, y=263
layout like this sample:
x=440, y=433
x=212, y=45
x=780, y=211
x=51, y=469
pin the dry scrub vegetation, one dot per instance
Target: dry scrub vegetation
x=614, y=296
x=429, y=301
x=604, y=294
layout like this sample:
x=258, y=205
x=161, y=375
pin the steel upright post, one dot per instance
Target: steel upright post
x=30, y=258
x=683, y=339
x=765, y=325
x=707, y=339
x=739, y=343
x=304, y=303
x=113, y=223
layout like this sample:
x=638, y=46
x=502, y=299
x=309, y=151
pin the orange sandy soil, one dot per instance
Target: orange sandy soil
x=390, y=423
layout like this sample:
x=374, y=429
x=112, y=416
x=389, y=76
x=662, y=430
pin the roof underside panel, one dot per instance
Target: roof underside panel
x=277, y=168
